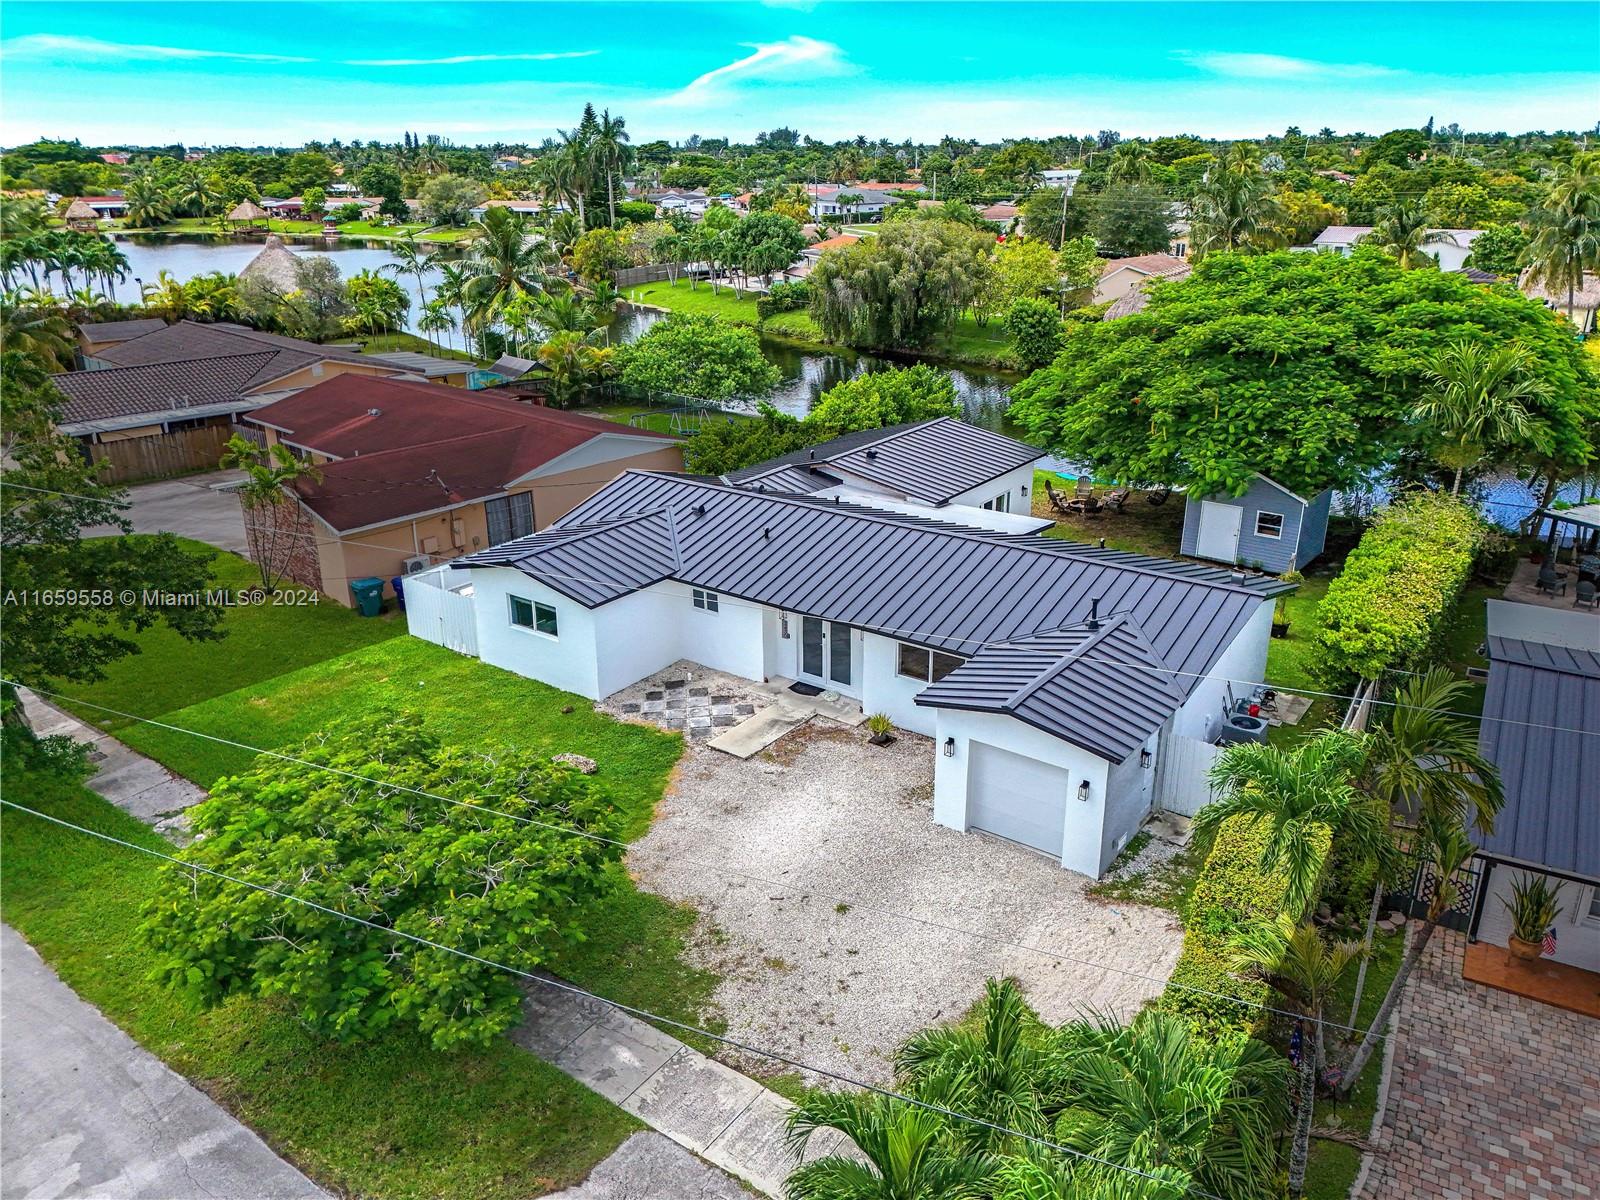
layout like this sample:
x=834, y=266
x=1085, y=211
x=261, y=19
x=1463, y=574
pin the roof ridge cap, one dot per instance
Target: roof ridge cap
x=1064, y=661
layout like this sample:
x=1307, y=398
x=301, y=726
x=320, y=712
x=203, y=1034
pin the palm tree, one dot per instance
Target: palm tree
x=571, y=363
x=1302, y=794
x=195, y=191
x=609, y=151
x=1232, y=208
x=562, y=234
x=987, y=1068
x=166, y=297
x=410, y=259
x=214, y=297
x=146, y=202
x=1402, y=232
x=1154, y=1094
x=1566, y=233
x=1306, y=970
x=505, y=263
x=436, y=317
x=1444, y=841
x=908, y=1149
x=1131, y=162
x=568, y=174
x=33, y=323
x=268, y=474
x=1477, y=397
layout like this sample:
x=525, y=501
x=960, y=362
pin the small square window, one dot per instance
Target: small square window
x=913, y=662
x=530, y=614
x=706, y=600
x=1269, y=524
x=521, y=612
x=544, y=619
x=943, y=664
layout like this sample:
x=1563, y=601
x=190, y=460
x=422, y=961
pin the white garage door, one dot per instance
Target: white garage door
x=1017, y=797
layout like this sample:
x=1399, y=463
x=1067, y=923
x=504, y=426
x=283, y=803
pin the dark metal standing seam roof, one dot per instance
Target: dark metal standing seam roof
x=931, y=460
x=1541, y=728
x=1104, y=689
x=937, y=584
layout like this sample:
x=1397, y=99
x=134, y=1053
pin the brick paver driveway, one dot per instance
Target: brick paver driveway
x=1491, y=1095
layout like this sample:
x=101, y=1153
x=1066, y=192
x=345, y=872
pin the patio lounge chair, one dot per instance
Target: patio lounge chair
x=1587, y=597
x=1551, y=582
x=1159, y=496
x=1116, y=498
x=1080, y=503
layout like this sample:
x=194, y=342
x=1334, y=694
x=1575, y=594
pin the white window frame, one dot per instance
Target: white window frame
x=706, y=600
x=534, y=607
x=1283, y=520
x=1584, y=911
x=1001, y=503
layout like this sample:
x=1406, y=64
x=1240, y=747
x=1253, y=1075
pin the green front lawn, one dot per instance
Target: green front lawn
x=391, y=1118
x=260, y=641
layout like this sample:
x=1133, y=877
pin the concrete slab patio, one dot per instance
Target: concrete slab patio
x=649, y=1167
x=829, y=899
x=87, y=1112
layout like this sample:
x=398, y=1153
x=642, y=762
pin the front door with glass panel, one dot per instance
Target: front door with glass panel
x=825, y=653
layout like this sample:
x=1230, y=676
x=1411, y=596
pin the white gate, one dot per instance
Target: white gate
x=439, y=609
x=1182, y=770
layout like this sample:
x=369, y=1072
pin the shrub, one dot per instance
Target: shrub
x=1034, y=327
x=1231, y=895
x=1387, y=606
x=782, y=298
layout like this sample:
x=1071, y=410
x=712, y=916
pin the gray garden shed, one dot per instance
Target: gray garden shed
x=1268, y=527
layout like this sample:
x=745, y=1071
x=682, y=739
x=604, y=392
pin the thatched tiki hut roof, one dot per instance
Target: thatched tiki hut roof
x=249, y=210
x=78, y=213
x=275, y=266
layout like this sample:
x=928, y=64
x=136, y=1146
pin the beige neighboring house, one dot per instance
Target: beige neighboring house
x=413, y=474
x=162, y=401
x=1125, y=278
x=1580, y=307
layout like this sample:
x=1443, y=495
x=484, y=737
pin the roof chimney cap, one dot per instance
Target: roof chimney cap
x=1094, y=612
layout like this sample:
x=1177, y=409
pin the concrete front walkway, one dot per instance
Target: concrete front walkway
x=726, y=1118
x=195, y=506
x=140, y=786
x=86, y=1112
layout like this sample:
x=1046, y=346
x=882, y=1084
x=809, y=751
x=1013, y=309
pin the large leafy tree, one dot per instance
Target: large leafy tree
x=1132, y=218
x=903, y=287
x=698, y=356
x=49, y=494
x=878, y=398
x=1304, y=367
x=765, y=243
x=380, y=821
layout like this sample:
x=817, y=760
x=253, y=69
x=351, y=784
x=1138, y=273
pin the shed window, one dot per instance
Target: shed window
x=926, y=666
x=704, y=599
x=531, y=614
x=1269, y=524
x=509, y=517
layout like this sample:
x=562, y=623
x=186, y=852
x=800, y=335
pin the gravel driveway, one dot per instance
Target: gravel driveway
x=812, y=966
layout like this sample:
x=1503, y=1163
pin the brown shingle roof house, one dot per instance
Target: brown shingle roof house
x=412, y=474
x=159, y=399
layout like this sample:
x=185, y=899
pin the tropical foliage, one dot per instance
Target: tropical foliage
x=698, y=356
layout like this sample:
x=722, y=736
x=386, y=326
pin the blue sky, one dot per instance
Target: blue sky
x=250, y=73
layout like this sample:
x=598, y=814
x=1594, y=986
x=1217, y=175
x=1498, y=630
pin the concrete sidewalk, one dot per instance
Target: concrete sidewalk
x=137, y=785
x=86, y=1112
x=726, y=1118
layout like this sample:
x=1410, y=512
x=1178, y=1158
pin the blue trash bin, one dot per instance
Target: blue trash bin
x=398, y=584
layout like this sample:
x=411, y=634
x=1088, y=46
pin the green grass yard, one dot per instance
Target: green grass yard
x=391, y=1118
x=969, y=342
x=1140, y=528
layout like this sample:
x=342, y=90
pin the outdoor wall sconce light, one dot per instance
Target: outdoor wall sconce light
x=949, y=747
x=783, y=625
x=1024, y=489
x=1144, y=759
x=1083, y=791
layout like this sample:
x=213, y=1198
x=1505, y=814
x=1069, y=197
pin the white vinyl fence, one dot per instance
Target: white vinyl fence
x=439, y=608
x=1181, y=775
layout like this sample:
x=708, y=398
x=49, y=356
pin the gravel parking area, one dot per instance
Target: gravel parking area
x=800, y=859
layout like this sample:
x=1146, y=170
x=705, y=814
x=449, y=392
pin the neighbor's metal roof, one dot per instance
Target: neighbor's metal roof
x=1105, y=689
x=1541, y=728
x=935, y=583
x=429, y=366
x=932, y=460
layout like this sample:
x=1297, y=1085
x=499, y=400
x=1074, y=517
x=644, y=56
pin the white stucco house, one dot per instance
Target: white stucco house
x=1068, y=689
x=1449, y=248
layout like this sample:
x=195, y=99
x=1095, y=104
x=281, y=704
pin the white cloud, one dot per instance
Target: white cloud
x=1279, y=66
x=766, y=60
x=46, y=45
x=458, y=59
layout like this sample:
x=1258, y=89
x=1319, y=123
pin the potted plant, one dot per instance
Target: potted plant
x=881, y=728
x=1280, y=607
x=1533, y=910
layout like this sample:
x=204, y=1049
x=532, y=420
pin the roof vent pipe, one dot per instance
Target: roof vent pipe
x=699, y=510
x=374, y=412
x=1094, y=612
x=872, y=454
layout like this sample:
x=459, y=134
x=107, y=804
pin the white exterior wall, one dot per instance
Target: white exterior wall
x=1017, y=484
x=1577, y=939
x=730, y=639
x=1245, y=659
x=885, y=690
x=636, y=636
x=1085, y=820
x=569, y=661
x=1130, y=795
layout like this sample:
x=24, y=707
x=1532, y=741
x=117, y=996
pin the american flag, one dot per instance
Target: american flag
x=1548, y=947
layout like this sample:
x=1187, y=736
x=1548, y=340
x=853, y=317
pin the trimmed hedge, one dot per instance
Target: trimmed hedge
x=1388, y=605
x=1233, y=893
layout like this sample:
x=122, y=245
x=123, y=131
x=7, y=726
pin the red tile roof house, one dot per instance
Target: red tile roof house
x=1127, y=276
x=414, y=474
